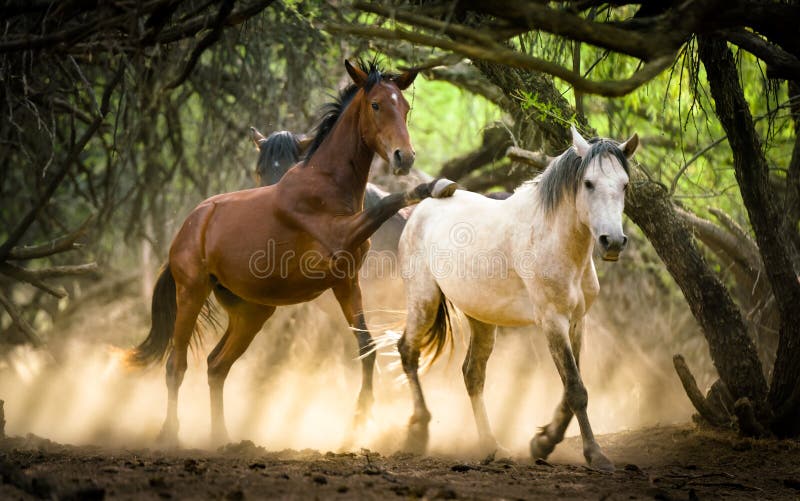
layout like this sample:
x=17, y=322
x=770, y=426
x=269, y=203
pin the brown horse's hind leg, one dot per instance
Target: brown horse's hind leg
x=244, y=322
x=549, y=436
x=481, y=344
x=348, y=294
x=190, y=300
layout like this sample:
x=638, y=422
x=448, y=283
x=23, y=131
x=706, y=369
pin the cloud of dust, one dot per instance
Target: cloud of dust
x=296, y=386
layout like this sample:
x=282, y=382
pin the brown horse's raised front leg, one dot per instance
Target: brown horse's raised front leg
x=365, y=223
x=348, y=294
x=347, y=233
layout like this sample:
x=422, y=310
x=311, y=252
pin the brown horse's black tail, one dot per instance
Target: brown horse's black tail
x=164, y=309
x=440, y=335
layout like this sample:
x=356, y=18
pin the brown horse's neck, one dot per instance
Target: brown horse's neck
x=345, y=156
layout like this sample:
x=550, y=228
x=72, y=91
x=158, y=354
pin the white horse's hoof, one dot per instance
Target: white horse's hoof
x=444, y=188
x=541, y=446
x=598, y=461
x=417, y=438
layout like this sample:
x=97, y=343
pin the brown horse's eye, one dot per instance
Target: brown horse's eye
x=375, y=106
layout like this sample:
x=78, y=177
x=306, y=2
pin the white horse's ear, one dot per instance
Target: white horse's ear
x=581, y=145
x=630, y=146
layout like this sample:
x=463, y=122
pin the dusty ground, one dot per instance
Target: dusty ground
x=660, y=463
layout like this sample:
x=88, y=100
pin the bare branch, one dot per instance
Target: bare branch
x=780, y=64
x=694, y=394
x=533, y=158
x=643, y=44
x=504, y=55
x=725, y=245
x=56, y=246
x=196, y=24
x=59, y=176
x=64, y=271
x=24, y=275
x=494, y=140
x=207, y=41
x=19, y=320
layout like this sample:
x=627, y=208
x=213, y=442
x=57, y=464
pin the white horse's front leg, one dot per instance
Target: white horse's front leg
x=556, y=327
x=551, y=435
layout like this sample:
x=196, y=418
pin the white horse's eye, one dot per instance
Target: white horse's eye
x=589, y=185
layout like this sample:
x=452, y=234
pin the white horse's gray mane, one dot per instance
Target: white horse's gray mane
x=564, y=174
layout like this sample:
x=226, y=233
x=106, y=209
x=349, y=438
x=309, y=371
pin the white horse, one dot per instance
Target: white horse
x=526, y=260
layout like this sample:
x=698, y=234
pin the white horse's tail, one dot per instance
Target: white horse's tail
x=432, y=345
x=440, y=335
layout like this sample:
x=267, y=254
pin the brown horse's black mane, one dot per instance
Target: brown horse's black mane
x=333, y=110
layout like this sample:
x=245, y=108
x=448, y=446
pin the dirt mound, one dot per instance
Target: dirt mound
x=661, y=463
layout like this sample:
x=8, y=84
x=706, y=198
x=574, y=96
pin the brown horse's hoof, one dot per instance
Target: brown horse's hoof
x=443, y=188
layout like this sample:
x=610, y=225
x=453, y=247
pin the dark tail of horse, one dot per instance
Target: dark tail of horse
x=440, y=335
x=164, y=308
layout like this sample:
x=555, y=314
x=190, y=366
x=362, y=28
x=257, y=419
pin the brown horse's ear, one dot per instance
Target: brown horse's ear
x=405, y=79
x=357, y=74
x=257, y=137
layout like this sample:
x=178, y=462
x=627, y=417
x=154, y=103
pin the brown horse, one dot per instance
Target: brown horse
x=286, y=243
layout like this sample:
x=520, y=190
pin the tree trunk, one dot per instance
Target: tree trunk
x=732, y=351
x=777, y=250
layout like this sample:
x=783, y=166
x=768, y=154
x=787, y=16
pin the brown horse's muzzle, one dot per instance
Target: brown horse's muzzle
x=401, y=161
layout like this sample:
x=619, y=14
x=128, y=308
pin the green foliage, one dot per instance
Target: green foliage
x=545, y=110
x=445, y=121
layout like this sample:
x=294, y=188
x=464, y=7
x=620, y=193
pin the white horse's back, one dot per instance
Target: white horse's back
x=465, y=248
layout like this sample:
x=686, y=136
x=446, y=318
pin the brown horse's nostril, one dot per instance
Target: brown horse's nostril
x=398, y=157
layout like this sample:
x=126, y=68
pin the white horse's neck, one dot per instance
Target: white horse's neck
x=561, y=234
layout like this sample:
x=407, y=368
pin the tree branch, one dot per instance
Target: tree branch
x=780, y=64
x=503, y=55
x=56, y=246
x=494, y=141
x=694, y=394
x=207, y=41
x=59, y=176
x=533, y=158
x=645, y=45
x=19, y=320
x=64, y=271
x=24, y=275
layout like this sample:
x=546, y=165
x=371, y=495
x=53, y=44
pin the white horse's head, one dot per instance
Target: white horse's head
x=600, y=196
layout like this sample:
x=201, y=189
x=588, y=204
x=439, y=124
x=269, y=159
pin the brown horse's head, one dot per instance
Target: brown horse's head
x=382, y=114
